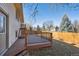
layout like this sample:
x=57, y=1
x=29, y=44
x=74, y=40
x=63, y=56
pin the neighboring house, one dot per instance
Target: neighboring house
x=11, y=17
x=55, y=29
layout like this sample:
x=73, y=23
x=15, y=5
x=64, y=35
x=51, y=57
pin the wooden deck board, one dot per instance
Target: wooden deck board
x=33, y=42
x=35, y=39
x=17, y=47
x=39, y=45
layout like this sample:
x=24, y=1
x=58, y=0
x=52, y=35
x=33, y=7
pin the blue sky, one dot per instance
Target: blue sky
x=50, y=12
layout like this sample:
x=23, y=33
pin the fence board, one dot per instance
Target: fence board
x=67, y=37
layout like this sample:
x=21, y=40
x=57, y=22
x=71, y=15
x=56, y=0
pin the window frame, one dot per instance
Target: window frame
x=7, y=26
x=4, y=24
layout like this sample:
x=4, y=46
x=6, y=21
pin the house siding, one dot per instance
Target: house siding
x=14, y=24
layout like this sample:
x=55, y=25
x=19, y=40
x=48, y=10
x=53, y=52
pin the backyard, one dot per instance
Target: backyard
x=57, y=19
x=58, y=49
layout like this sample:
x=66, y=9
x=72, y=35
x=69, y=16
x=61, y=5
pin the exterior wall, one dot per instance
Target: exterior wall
x=13, y=22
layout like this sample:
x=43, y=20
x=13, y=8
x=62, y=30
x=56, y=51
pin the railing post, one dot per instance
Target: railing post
x=26, y=38
x=46, y=35
x=50, y=36
x=41, y=34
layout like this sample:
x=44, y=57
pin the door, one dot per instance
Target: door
x=3, y=40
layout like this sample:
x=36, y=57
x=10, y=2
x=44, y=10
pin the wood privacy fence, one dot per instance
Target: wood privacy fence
x=66, y=37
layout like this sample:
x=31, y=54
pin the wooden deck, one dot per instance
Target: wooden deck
x=35, y=39
x=16, y=48
x=33, y=42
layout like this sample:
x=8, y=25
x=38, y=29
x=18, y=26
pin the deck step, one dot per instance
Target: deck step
x=39, y=45
x=42, y=43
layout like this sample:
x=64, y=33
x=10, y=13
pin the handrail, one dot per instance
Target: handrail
x=46, y=35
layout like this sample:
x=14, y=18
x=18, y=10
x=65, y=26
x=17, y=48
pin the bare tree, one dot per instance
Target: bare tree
x=43, y=27
x=76, y=26
x=56, y=28
x=34, y=11
x=48, y=25
x=38, y=28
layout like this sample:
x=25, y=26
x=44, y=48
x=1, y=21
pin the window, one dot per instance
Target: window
x=2, y=23
x=4, y=33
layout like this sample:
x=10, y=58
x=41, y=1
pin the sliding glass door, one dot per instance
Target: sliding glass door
x=2, y=32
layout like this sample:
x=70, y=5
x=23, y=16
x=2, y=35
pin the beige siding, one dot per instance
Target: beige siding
x=13, y=22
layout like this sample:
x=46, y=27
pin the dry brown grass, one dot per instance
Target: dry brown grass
x=58, y=49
